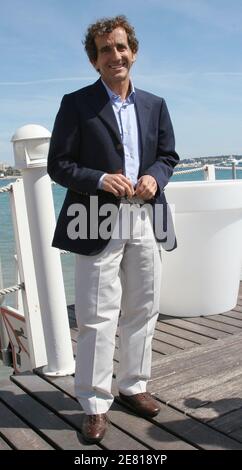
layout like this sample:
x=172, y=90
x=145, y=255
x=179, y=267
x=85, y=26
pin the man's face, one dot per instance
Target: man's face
x=114, y=56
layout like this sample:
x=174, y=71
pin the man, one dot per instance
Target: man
x=113, y=148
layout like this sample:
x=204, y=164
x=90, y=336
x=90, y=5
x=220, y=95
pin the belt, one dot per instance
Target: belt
x=132, y=200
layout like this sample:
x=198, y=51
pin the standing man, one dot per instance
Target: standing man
x=113, y=148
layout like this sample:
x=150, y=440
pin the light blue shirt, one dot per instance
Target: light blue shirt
x=128, y=127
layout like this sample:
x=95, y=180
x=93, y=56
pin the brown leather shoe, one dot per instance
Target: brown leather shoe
x=94, y=427
x=141, y=403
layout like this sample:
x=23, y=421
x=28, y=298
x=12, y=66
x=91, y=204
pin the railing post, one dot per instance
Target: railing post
x=209, y=173
x=31, y=145
x=26, y=269
x=234, y=170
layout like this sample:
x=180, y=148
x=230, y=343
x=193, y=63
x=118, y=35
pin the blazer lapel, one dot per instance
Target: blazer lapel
x=143, y=114
x=101, y=103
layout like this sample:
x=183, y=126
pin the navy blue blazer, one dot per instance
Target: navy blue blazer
x=86, y=143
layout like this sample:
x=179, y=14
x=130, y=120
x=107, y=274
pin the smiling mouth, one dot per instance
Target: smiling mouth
x=117, y=67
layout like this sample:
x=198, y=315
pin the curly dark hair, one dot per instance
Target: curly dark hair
x=107, y=25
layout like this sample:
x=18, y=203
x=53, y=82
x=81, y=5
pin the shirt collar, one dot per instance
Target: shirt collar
x=114, y=98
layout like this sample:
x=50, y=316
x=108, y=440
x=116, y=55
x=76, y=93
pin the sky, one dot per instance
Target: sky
x=190, y=53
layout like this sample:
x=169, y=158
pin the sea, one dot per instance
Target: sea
x=7, y=244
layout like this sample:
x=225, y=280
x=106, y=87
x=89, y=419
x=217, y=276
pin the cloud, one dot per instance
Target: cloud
x=48, y=80
x=140, y=76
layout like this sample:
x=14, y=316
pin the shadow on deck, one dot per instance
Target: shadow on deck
x=196, y=375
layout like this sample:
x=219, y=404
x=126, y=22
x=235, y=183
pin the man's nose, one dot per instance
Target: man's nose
x=116, y=54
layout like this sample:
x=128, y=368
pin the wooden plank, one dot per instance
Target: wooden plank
x=18, y=433
x=4, y=445
x=229, y=423
x=181, y=333
x=227, y=347
x=70, y=410
x=228, y=321
x=190, y=382
x=199, y=434
x=213, y=402
x=49, y=426
x=174, y=421
x=233, y=314
x=156, y=357
x=216, y=325
x=203, y=330
x=179, y=343
x=163, y=348
x=146, y=430
x=193, y=431
x=137, y=427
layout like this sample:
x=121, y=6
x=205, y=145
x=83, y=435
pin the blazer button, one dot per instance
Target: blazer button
x=119, y=147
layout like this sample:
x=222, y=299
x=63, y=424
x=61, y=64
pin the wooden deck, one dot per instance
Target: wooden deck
x=196, y=375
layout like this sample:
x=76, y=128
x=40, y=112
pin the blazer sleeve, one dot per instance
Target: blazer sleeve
x=64, y=158
x=166, y=158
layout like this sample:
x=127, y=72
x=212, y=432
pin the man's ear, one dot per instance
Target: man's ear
x=94, y=64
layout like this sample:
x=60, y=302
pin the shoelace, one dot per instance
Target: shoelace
x=144, y=395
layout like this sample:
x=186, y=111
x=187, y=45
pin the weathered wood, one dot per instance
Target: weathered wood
x=226, y=349
x=16, y=431
x=156, y=358
x=189, y=429
x=180, y=386
x=179, y=343
x=70, y=411
x=214, y=324
x=137, y=427
x=227, y=320
x=193, y=431
x=182, y=333
x=4, y=445
x=213, y=402
x=229, y=423
x=203, y=330
x=163, y=348
x=176, y=422
x=196, y=369
x=146, y=431
x=50, y=427
x=233, y=314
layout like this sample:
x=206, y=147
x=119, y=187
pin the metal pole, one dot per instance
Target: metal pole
x=234, y=170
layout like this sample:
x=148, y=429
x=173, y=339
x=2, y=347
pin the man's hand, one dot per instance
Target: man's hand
x=117, y=184
x=146, y=187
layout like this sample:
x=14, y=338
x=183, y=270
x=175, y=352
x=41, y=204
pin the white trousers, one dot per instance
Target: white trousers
x=124, y=278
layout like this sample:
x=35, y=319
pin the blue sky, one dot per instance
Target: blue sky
x=190, y=53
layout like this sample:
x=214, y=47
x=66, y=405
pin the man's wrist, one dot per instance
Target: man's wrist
x=100, y=182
